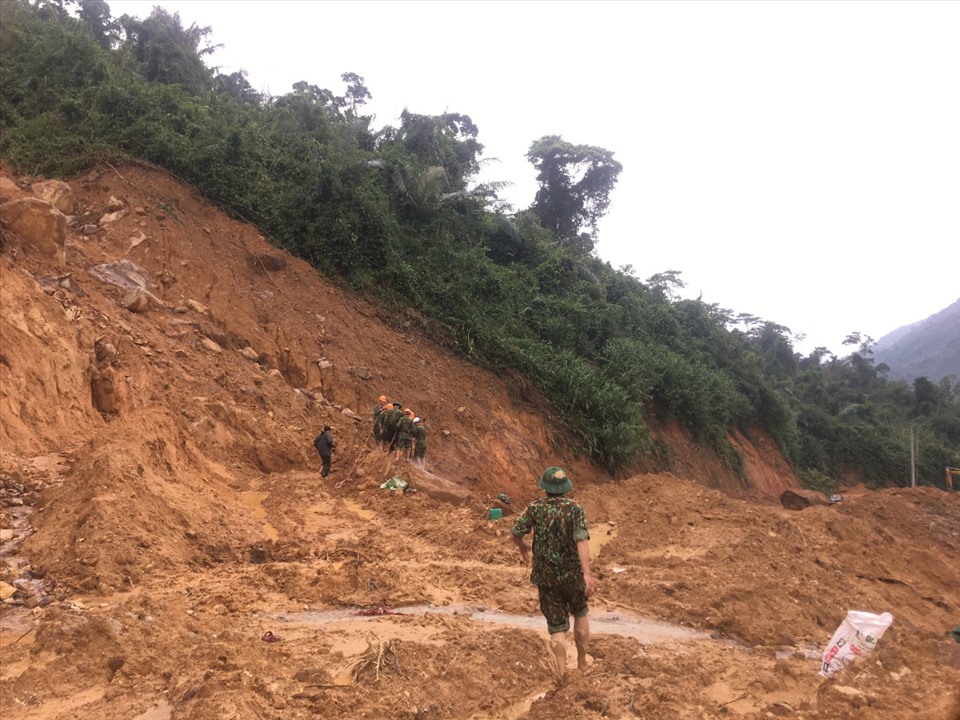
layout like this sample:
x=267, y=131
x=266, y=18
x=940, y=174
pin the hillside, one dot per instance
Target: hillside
x=928, y=348
x=163, y=510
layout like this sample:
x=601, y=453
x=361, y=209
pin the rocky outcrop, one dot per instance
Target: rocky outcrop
x=123, y=274
x=103, y=392
x=57, y=193
x=39, y=224
x=139, y=300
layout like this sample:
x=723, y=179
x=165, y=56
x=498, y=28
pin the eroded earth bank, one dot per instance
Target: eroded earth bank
x=170, y=550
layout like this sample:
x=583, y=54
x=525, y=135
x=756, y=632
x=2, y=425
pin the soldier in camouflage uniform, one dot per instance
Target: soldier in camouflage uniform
x=405, y=435
x=391, y=420
x=419, y=442
x=378, y=426
x=561, y=563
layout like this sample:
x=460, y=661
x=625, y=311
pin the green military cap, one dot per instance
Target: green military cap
x=555, y=481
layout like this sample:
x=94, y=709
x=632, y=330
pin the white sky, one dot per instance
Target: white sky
x=798, y=161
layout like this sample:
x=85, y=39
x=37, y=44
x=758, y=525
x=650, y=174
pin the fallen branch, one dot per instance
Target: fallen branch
x=378, y=654
x=741, y=696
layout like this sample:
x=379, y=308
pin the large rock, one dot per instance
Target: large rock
x=794, y=501
x=113, y=217
x=199, y=308
x=138, y=300
x=40, y=224
x=211, y=345
x=8, y=189
x=103, y=392
x=123, y=274
x=58, y=194
x=441, y=490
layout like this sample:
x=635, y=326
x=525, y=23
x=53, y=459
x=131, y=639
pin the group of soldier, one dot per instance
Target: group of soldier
x=397, y=429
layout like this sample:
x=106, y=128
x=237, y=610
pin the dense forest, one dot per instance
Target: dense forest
x=396, y=214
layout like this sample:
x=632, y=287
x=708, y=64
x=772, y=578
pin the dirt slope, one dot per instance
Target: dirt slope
x=164, y=510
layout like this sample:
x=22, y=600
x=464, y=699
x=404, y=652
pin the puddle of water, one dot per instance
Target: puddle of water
x=600, y=535
x=359, y=511
x=254, y=501
x=18, y=530
x=351, y=506
x=20, y=522
x=15, y=625
x=620, y=623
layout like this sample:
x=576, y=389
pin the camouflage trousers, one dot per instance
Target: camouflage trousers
x=558, y=602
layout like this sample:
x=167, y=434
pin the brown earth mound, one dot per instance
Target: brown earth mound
x=163, y=511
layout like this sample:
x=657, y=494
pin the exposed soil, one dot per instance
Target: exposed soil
x=163, y=511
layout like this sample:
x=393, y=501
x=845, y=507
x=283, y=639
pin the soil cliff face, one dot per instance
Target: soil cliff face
x=255, y=348
x=161, y=382
x=246, y=344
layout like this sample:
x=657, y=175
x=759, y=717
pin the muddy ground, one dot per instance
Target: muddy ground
x=163, y=512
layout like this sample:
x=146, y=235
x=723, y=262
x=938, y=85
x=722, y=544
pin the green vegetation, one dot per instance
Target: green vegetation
x=394, y=213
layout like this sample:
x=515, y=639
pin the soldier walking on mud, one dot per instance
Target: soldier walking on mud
x=561, y=563
x=325, y=445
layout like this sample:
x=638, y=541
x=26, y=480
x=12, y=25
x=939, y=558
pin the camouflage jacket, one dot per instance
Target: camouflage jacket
x=391, y=418
x=420, y=435
x=558, y=523
x=405, y=428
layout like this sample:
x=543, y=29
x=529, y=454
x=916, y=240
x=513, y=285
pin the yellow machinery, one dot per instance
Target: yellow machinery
x=951, y=474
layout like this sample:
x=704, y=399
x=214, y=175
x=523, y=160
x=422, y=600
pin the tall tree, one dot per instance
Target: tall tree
x=575, y=185
x=357, y=93
x=95, y=15
x=448, y=141
x=167, y=52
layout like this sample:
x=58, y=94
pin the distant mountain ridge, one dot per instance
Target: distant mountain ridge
x=928, y=348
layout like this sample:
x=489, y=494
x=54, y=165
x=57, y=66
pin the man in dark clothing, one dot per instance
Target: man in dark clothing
x=377, y=422
x=325, y=446
x=561, y=563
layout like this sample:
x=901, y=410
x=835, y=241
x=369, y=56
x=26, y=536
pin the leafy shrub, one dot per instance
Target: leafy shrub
x=816, y=480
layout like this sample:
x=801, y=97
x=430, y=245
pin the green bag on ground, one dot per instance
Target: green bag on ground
x=394, y=483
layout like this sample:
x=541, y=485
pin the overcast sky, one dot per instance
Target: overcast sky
x=798, y=161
